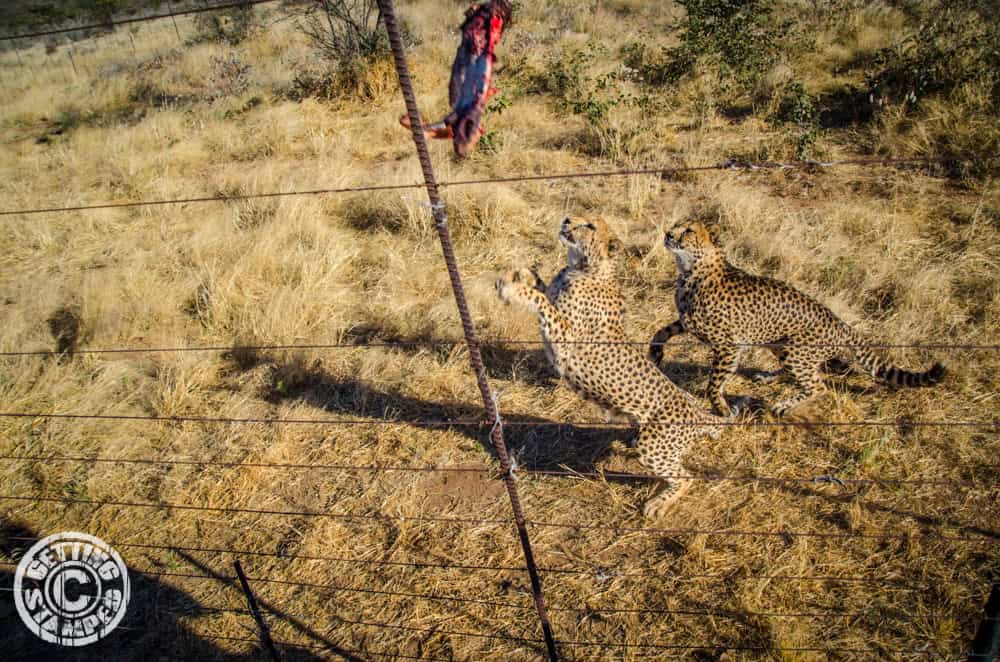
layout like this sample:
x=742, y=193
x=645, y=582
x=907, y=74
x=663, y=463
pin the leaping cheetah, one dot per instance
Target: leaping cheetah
x=581, y=318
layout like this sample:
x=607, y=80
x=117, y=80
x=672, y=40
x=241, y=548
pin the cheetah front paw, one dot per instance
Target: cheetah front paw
x=745, y=409
x=787, y=408
x=510, y=285
x=660, y=504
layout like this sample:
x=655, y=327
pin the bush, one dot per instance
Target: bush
x=738, y=34
x=354, y=49
x=230, y=76
x=944, y=77
x=566, y=77
x=357, y=79
x=793, y=105
x=230, y=26
x=346, y=30
x=955, y=44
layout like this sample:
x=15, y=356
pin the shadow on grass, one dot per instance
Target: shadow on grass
x=536, y=442
x=156, y=620
x=929, y=521
x=541, y=443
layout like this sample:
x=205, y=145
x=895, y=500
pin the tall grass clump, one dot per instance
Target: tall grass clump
x=353, y=50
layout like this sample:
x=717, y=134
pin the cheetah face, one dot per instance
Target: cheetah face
x=689, y=243
x=588, y=244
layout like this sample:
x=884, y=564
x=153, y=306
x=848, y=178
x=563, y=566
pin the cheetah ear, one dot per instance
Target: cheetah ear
x=702, y=233
x=607, y=237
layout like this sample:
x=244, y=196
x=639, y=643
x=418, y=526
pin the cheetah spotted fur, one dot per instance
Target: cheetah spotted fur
x=581, y=315
x=729, y=309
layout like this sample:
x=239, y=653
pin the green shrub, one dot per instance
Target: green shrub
x=738, y=35
x=955, y=43
x=566, y=76
x=793, y=105
x=944, y=77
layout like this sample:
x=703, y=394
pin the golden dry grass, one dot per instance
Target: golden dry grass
x=901, y=254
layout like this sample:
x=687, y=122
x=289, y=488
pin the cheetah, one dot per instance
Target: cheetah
x=730, y=309
x=581, y=316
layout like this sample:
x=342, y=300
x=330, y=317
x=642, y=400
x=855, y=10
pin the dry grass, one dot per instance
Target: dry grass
x=902, y=254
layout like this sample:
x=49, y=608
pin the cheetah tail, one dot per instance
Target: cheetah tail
x=883, y=370
x=661, y=338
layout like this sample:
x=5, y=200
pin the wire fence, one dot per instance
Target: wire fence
x=660, y=172
x=549, y=616
x=575, y=525
x=404, y=344
x=514, y=423
x=560, y=473
x=113, y=22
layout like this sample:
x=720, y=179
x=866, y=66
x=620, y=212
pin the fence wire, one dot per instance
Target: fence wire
x=112, y=22
x=663, y=171
x=786, y=534
x=407, y=344
x=597, y=572
x=493, y=421
x=559, y=473
x=454, y=422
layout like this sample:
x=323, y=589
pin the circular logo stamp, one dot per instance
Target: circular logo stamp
x=71, y=589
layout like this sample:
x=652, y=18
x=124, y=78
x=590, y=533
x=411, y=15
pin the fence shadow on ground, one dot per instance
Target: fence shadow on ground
x=155, y=621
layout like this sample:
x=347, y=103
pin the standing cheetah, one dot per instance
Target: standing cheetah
x=581, y=315
x=729, y=309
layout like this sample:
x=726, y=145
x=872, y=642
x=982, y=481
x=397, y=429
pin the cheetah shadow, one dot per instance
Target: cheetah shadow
x=538, y=443
x=838, y=518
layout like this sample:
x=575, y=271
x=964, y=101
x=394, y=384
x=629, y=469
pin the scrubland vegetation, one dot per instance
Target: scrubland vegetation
x=247, y=103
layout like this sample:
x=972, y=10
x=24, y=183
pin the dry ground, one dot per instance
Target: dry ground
x=905, y=255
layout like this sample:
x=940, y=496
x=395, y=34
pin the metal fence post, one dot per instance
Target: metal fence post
x=475, y=357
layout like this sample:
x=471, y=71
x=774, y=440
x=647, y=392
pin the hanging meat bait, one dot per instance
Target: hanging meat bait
x=471, y=85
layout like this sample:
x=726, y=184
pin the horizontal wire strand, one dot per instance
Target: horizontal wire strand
x=725, y=165
x=658, y=646
x=593, y=644
x=727, y=613
x=137, y=19
x=883, y=535
x=597, y=475
x=330, y=647
x=256, y=511
x=443, y=423
x=597, y=571
x=397, y=344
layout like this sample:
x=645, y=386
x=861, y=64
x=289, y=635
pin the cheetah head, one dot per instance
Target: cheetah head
x=589, y=244
x=689, y=244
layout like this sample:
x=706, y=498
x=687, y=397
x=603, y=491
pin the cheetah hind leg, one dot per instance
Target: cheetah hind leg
x=767, y=376
x=725, y=360
x=772, y=376
x=807, y=377
x=661, y=447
